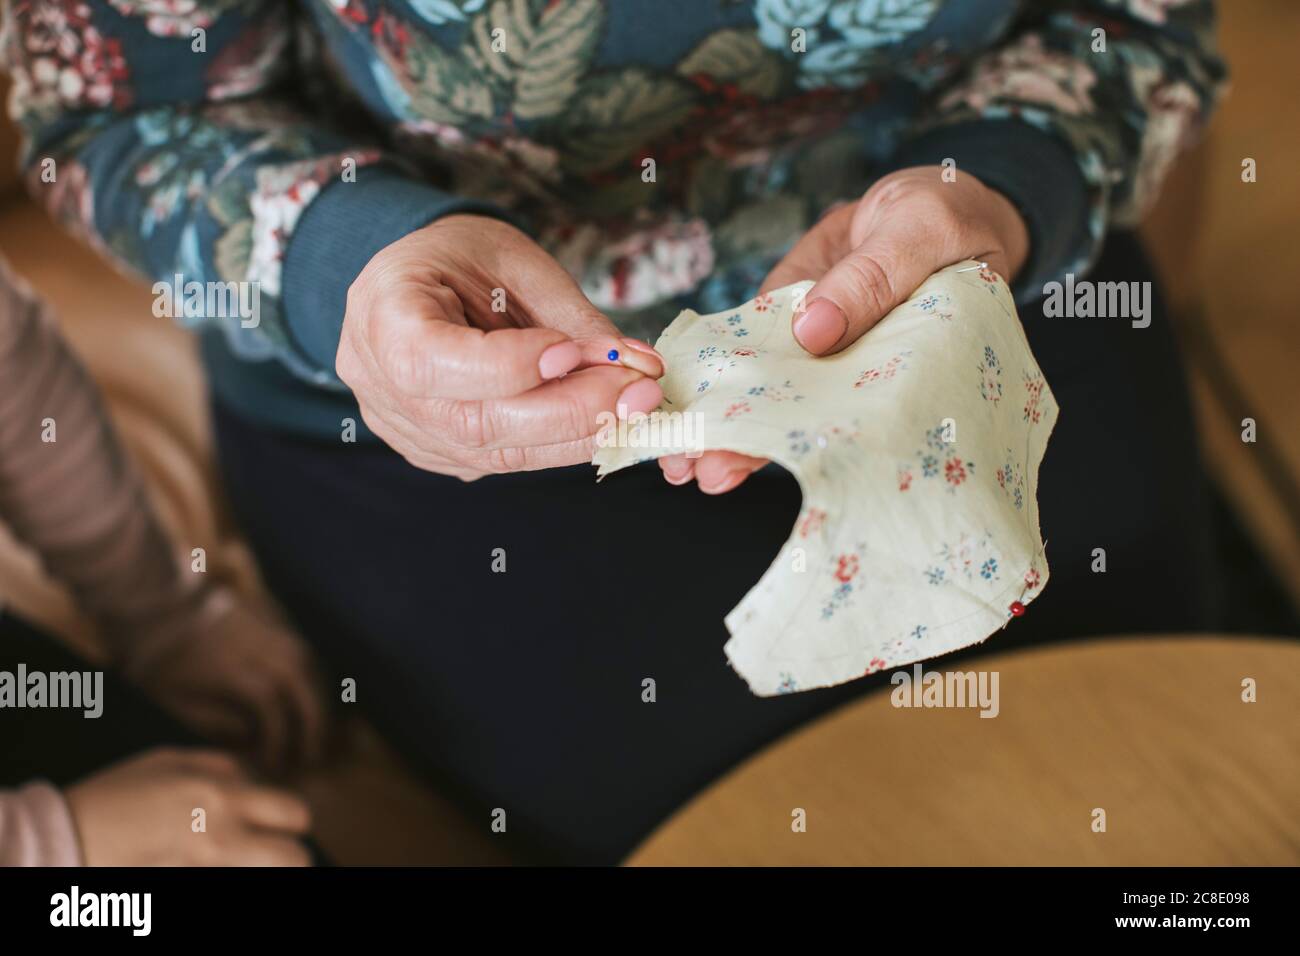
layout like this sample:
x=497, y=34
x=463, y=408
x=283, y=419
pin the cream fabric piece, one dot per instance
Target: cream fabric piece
x=917, y=451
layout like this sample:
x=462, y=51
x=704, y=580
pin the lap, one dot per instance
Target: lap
x=523, y=688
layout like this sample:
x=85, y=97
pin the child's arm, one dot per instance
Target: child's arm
x=68, y=490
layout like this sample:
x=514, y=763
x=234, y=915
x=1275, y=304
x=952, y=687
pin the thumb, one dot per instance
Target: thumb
x=860, y=290
x=555, y=300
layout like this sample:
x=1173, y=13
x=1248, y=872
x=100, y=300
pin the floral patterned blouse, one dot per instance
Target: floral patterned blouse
x=665, y=151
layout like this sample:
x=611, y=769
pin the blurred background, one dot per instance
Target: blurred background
x=1228, y=253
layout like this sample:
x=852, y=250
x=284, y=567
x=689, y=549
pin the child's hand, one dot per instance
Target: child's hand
x=868, y=257
x=241, y=681
x=141, y=812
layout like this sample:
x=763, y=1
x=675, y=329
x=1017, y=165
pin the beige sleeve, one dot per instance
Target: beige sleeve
x=68, y=490
x=36, y=828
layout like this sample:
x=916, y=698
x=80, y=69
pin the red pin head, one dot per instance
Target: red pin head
x=1017, y=609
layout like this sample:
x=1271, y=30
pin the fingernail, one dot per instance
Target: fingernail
x=639, y=356
x=560, y=359
x=821, y=326
x=677, y=469
x=729, y=481
x=641, y=396
x=642, y=347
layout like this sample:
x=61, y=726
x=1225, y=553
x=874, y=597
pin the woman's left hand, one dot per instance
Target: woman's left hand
x=868, y=257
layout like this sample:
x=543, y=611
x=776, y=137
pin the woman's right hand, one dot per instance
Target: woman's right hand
x=471, y=351
x=140, y=812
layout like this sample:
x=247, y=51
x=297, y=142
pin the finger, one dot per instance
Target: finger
x=297, y=696
x=814, y=254
x=264, y=850
x=420, y=433
x=294, y=745
x=257, y=693
x=859, y=290
x=215, y=718
x=570, y=410
x=411, y=342
x=208, y=762
x=272, y=808
x=549, y=297
x=630, y=353
x=677, y=469
x=303, y=687
x=789, y=271
x=718, y=472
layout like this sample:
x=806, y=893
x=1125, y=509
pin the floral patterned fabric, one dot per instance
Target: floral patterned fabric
x=191, y=136
x=917, y=450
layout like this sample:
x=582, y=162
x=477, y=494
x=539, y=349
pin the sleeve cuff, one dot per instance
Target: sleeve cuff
x=339, y=232
x=36, y=828
x=1033, y=169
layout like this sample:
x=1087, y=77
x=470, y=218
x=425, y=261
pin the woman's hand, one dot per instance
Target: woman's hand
x=240, y=680
x=471, y=351
x=140, y=812
x=868, y=257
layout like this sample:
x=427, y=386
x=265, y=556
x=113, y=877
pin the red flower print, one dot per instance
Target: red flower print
x=846, y=567
x=763, y=302
x=954, y=471
x=1034, y=386
x=350, y=10
x=875, y=664
x=1032, y=578
x=390, y=34
x=884, y=372
x=812, y=522
x=736, y=409
x=743, y=353
x=904, y=479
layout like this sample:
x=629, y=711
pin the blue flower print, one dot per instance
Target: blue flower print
x=930, y=303
x=444, y=11
x=833, y=64
x=872, y=23
x=776, y=18
x=839, y=597
x=990, y=377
